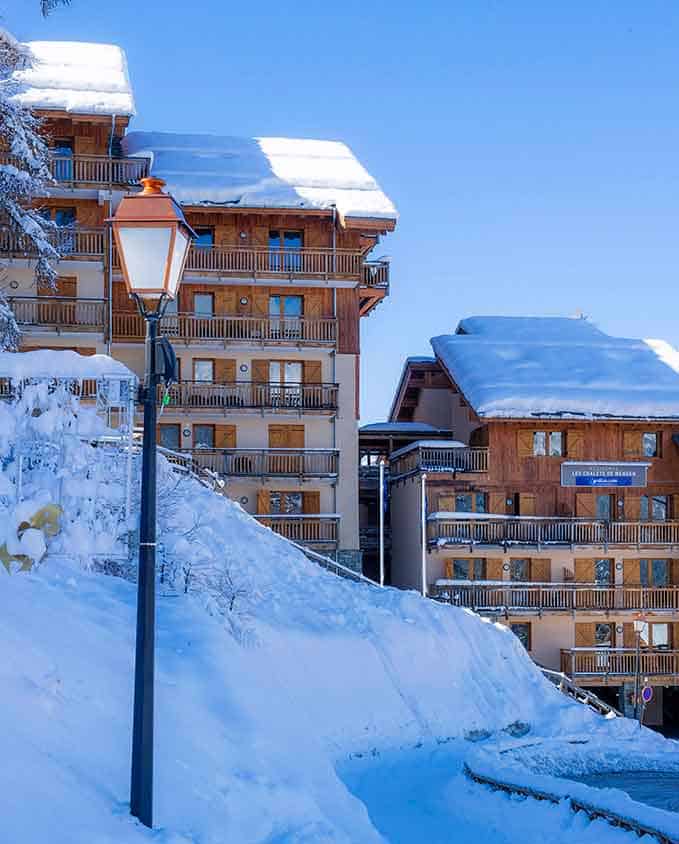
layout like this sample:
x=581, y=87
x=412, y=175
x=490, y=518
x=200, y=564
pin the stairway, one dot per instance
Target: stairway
x=586, y=698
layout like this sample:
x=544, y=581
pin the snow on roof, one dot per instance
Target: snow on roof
x=427, y=444
x=398, y=428
x=48, y=363
x=77, y=77
x=522, y=367
x=262, y=173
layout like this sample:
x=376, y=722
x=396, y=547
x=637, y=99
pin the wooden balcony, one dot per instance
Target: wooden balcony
x=306, y=530
x=243, y=395
x=72, y=243
x=468, y=529
x=537, y=598
x=268, y=462
x=612, y=666
x=376, y=275
x=369, y=539
x=59, y=313
x=92, y=171
x=226, y=329
x=441, y=460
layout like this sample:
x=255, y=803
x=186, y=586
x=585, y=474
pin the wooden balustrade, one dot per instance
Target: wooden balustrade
x=427, y=459
x=307, y=530
x=92, y=170
x=222, y=328
x=527, y=530
x=268, y=462
x=60, y=313
x=604, y=663
x=263, y=262
x=376, y=274
x=70, y=242
x=230, y=395
x=559, y=597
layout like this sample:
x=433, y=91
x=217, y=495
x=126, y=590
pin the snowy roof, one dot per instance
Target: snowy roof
x=48, y=363
x=523, y=367
x=398, y=428
x=77, y=77
x=452, y=444
x=262, y=173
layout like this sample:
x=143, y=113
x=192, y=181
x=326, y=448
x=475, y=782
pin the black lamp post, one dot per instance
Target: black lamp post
x=153, y=241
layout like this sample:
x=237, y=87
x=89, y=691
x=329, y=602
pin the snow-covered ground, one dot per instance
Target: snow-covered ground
x=292, y=706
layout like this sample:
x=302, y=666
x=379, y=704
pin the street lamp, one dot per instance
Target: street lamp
x=153, y=241
x=639, y=627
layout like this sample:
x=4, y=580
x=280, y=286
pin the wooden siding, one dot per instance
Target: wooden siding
x=348, y=341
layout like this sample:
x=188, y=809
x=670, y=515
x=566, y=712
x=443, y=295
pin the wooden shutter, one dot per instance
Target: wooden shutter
x=312, y=370
x=286, y=436
x=260, y=371
x=631, y=443
x=629, y=637
x=496, y=503
x=494, y=568
x=263, y=502
x=631, y=572
x=66, y=285
x=295, y=436
x=260, y=303
x=524, y=443
x=674, y=574
x=313, y=304
x=526, y=504
x=674, y=635
x=632, y=506
x=225, y=370
x=585, y=633
x=446, y=503
x=585, y=571
x=225, y=436
x=311, y=502
x=540, y=570
x=575, y=445
x=674, y=506
x=585, y=505
x=121, y=298
x=225, y=300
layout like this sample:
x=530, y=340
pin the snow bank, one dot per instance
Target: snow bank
x=76, y=77
x=527, y=367
x=262, y=173
x=47, y=363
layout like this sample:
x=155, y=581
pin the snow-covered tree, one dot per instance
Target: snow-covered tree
x=9, y=329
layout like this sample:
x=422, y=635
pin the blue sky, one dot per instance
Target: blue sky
x=531, y=148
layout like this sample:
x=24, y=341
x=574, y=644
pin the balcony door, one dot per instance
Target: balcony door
x=286, y=437
x=62, y=155
x=285, y=315
x=285, y=251
x=285, y=379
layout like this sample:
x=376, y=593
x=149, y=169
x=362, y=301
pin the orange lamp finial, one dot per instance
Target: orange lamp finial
x=152, y=186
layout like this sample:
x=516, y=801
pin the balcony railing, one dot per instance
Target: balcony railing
x=268, y=462
x=376, y=274
x=234, y=395
x=443, y=460
x=307, y=530
x=59, y=313
x=556, y=597
x=611, y=663
x=85, y=244
x=369, y=539
x=466, y=529
x=92, y=170
x=231, y=328
x=264, y=263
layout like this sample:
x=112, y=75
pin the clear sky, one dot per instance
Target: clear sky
x=531, y=147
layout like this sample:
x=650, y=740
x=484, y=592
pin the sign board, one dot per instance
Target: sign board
x=603, y=474
x=647, y=694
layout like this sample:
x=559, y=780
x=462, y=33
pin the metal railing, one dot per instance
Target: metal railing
x=427, y=459
x=60, y=313
x=232, y=395
x=619, y=662
x=265, y=462
x=567, y=687
x=546, y=597
x=537, y=531
x=369, y=539
x=92, y=170
x=307, y=530
x=222, y=328
x=70, y=242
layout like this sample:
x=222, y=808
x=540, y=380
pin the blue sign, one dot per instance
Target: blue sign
x=647, y=694
x=602, y=480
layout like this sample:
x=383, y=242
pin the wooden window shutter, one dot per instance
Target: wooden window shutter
x=225, y=300
x=313, y=305
x=585, y=634
x=260, y=371
x=524, y=443
x=66, y=285
x=263, y=502
x=496, y=503
x=278, y=436
x=312, y=370
x=225, y=436
x=311, y=502
x=631, y=443
x=585, y=505
x=540, y=570
x=584, y=571
x=674, y=512
x=295, y=436
x=260, y=303
x=674, y=636
x=575, y=444
x=448, y=569
x=225, y=370
x=446, y=503
x=631, y=572
x=632, y=507
x=629, y=637
x=526, y=504
x=494, y=568
x=674, y=573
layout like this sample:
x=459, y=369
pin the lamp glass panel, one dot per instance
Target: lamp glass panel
x=181, y=245
x=145, y=252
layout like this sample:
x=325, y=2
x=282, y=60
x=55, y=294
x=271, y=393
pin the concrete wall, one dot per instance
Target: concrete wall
x=406, y=541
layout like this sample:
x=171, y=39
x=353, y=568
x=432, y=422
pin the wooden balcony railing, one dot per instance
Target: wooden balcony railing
x=92, y=170
x=556, y=597
x=369, y=539
x=233, y=328
x=268, y=462
x=467, y=529
x=376, y=274
x=85, y=244
x=264, y=263
x=233, y=395
x=610, y=663
x=59, y=313
x=427, y=459
x=307, y=530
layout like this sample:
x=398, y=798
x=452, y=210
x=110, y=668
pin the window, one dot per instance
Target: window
x=653, y=508
x=205, y=237
x=62, y=153
x=203, y=304
x=539, y=443
x=287, y=375
x=654, y=572
x=555, y=444
x=466, y=569
x=603, y=635
x=603, y=571
x=204, y=370
x=285, y=250
x=169, y=436
x=603, y=507
x=650, y=444
x=64, y=217
x=522, y=632
x=548, y=443
x=470, y=502
x=286, y=306
x=286, y=503
x=654, y=635
x=519, y=570
x=203, y=436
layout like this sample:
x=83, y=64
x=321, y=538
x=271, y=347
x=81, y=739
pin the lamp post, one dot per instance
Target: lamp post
x=639, y=625
x=153, y=241
x=423, y=528
x=381, y=482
